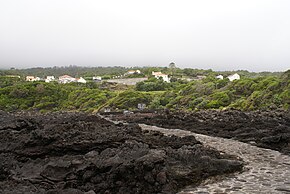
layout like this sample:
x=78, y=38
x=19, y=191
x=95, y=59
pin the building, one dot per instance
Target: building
x=97, y=78
x=161, y=75
x=156, y=72
x=220, y=77
x=32, y=78
x=81, y=80
x=49, y=79
x=66, y=79
x=141, y=106
x=130, y=72
x=234, y=77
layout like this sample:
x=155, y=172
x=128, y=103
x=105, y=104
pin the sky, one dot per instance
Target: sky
x=252, y=35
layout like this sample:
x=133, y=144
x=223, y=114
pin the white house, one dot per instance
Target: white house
x=49, y=79
x=234, y=77
x=156, y=72
x=97, y=78
x=81, y=80
x=130, y=72
x=66, y=79
x=220, y=77
x=32, y=78
x=159, y=74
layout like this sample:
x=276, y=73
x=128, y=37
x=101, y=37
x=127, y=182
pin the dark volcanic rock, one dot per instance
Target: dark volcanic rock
x=265, y=129
x=81, y=153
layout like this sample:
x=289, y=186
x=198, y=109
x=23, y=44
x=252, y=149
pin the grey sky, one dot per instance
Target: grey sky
x=217, y=34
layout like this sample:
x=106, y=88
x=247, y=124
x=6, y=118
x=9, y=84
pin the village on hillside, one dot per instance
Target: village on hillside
x=122, y=79
x=121, y=88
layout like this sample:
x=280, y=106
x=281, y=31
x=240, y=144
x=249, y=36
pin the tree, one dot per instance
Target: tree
x=172, y=67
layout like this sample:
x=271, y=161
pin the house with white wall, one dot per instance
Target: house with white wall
x=81, y=80
x=234, y=77
x=163, y=76
x=32, y=78
x=49, y=79
x=66, y=79
x=131, y=72
x=97, y=78
x=220, y=77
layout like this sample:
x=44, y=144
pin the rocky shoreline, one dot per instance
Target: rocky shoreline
x=84, y=153
x=266, y=129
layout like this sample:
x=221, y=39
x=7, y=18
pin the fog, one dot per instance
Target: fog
x=221, y=35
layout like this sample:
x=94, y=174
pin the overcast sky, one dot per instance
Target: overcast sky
x=218, y=34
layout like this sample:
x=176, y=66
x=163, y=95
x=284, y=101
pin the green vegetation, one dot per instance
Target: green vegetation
x=52, y=97
x=253, y=91
x=152, y=84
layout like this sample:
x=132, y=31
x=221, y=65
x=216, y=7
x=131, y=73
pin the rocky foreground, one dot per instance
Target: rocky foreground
x=266, y=171
x=82, y=153
x=268, y=129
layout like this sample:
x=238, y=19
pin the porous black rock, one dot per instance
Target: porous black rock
x=267, y=129
x=83, y=153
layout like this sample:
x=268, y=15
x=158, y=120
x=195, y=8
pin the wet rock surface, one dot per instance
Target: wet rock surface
x=267, y=129
x=82, y=153
x=266, y=171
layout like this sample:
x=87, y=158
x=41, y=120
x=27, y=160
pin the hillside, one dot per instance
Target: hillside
x=248, y=93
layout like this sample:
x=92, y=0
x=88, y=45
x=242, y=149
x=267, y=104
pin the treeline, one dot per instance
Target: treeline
x=248, y=93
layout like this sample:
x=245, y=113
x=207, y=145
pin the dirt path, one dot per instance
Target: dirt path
x=267, y=171
x=127, y=81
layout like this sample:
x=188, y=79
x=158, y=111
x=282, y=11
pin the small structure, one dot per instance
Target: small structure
x=49, y=79
x=130, y=72
x=126, y=112
x=66, y=79
x=97, y=78
x=220, y=77
x=234, y=77
x=32, y=78
x=156, y=72
x=141, y=106
x=159, y=74
x=107, y=110
x=81, y=80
